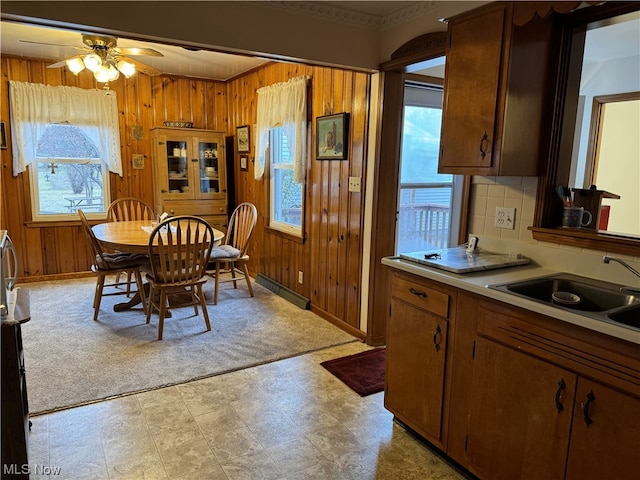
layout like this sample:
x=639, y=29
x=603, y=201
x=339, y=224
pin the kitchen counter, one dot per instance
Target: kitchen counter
x=477, y=282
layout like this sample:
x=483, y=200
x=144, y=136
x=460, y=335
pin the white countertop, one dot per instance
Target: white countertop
x=477, y=282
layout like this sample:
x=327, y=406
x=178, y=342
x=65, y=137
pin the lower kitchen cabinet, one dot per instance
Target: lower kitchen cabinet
x=520, y=416
x=605, y=435
x=416, y=356
x=509, y=393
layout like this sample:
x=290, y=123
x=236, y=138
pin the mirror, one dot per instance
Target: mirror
x=606, y=152
x=571, y=126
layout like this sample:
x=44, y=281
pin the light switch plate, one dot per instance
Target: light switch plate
x=505, y=217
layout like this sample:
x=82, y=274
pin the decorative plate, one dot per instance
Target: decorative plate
x=178, y=124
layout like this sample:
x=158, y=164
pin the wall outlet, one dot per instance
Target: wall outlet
x=354, y=184
x=300, y=276
x=505, y=218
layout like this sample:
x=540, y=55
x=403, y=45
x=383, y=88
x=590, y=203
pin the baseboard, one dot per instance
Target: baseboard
x=283, y=291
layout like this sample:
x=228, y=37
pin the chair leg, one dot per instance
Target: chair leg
x=217, y=284
x=205, y=312
x=140, y=284
x=163, y=308
x=97, y=297
x=150, y=302
x=232, y=266
x=245, y=270
x=129, y=284
x=194, y=300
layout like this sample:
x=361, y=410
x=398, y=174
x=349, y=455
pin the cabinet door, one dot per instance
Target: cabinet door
x=172, y=166
x=605, y=435
x=471, y=91
x=520, y=415
x=209, y=168
x=415, y=365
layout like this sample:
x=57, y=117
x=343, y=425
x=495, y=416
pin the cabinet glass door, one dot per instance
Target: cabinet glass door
x=177, y=166
x=209, y=154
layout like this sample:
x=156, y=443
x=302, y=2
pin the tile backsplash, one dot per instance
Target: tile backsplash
x=487, y=193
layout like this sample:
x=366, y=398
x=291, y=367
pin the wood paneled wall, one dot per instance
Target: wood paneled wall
x=330, y=256
x=56, y=248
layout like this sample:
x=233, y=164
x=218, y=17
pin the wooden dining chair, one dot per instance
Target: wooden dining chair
x=179, y=248
x=230, y=259
x=104, y=264
x=125, y=209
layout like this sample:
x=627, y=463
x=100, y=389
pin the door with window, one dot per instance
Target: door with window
x=429, y=202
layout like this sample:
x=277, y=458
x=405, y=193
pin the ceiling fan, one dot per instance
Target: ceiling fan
x=105, y=59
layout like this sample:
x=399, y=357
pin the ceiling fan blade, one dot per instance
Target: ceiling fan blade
x=143, y=68
x=63, y=63
x=84, y=49
x=137, y=51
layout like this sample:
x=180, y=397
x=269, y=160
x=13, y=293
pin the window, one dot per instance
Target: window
x=429, y=202
x=67, y=174
x=69, y=140
x=285, y=195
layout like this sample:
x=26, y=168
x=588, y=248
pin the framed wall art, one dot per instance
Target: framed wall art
x=243, y=143
x=244, y=162
x=331, y=137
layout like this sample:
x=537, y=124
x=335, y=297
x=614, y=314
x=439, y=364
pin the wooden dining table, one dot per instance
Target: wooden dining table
x=132, y=236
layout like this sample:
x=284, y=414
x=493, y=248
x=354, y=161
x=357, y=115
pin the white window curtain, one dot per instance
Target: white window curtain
x=283, y=104
x=34, y=106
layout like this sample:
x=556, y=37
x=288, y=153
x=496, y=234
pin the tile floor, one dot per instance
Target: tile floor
x=285, y=420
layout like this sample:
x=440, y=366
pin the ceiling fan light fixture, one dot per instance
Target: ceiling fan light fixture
x=75, y=65
x=126, y=68
x=93, y=62
x=106, y=73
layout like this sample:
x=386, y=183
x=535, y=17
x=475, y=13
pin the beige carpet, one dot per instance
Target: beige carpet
x=71, y=360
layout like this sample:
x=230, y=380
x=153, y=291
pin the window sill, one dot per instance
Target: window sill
x=288, y=236
x=606, y=242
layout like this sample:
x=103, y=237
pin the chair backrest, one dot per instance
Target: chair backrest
x=95, y=248
x=179, y=248
x=129, y=208
x=243, y=220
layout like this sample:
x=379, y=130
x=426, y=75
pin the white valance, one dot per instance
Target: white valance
x=283, y=104
x=35, y=106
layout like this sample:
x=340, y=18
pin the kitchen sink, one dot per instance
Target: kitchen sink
x=627, y=316
x=597, y=299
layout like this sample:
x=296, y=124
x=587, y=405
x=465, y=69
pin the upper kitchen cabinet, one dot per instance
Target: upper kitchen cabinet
x=189, y=173
x=496, y=93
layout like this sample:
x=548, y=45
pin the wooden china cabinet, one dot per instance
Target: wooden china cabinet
x=189, y=173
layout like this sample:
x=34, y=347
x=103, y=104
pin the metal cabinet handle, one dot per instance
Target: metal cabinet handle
x=585, y=408
x=418, y=292
x=436, y=338
x=483, y=152
x=561, y=386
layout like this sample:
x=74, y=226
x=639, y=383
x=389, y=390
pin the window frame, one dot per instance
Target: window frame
x=296, y=233
x=34, y=191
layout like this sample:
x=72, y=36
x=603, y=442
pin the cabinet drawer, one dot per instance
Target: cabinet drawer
x=420, y=295
x=198, y=209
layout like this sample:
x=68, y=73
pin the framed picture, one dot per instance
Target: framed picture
x=244, y=161
x=331, y=137
x=243, y=141
x=3, y=136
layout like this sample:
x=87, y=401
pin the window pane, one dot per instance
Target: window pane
x=286, y=195
x=287, y=198
x=72, y=186
x=423, y=223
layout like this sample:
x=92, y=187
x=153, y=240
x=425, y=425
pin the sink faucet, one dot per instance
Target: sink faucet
x=607, y=259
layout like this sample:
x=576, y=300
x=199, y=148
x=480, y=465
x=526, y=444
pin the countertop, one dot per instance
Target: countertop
x=476, y=282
